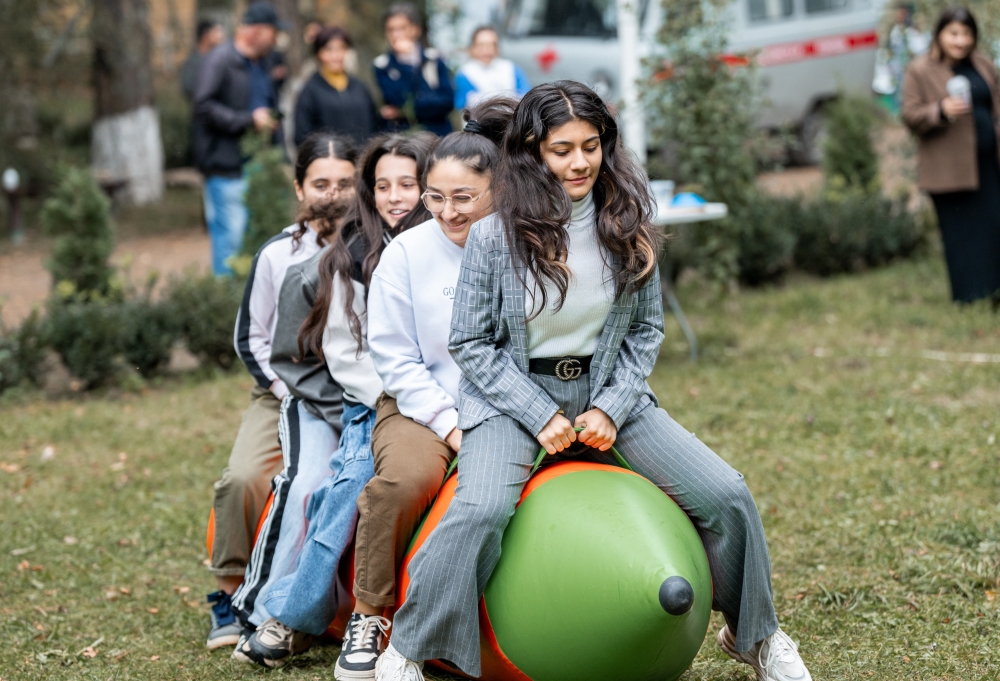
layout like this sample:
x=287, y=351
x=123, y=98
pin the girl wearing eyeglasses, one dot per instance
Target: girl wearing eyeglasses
x=320, y=352
x=557, y=324
x=409, y=317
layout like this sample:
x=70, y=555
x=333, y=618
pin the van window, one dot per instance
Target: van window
x=769, y=10
x=565, y=18
x=819, y=6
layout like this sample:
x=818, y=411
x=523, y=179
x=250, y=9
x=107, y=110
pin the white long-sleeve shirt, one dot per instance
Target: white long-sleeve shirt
x=258, y=312
x=352, y=369
x=409, y=320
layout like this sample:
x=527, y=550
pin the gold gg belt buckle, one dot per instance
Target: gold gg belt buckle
x=568, y=369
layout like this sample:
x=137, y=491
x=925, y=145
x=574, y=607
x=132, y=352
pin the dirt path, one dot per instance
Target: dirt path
x=24, y=281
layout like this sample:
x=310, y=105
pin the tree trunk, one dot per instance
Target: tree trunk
x=288, y=10
x=126, y=145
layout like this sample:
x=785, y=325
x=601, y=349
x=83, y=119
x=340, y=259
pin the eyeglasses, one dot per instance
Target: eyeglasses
x=462, y=203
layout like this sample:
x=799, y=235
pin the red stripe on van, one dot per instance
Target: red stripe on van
x=829, y=46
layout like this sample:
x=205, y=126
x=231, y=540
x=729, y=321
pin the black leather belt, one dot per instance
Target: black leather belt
x=563, y=368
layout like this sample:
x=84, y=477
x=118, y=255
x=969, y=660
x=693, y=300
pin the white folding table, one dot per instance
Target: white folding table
x=666, y=217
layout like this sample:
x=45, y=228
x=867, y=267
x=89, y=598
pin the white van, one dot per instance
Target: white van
x=808, y=49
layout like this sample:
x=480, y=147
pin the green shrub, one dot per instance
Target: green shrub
x=78, y=216
x=87, y=336
x=850, y=231
x=849, y=157
x=31, y=348
x=22, y=353
x=766, y=237
x=270, y=195
x=205, y=309
x=149, y=331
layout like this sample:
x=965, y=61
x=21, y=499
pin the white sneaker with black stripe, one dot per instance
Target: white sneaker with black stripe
x=363, y=643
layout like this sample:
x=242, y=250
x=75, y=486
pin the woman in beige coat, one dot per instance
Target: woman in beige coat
x=951, y=101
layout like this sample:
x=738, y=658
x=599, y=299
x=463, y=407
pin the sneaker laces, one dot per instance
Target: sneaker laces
x=222, y=607
x=402, y=668
x=780, y=650
x=365, y=631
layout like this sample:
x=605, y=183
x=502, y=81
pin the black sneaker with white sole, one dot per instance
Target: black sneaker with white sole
x=245, y=634
x=363, y=643
x=272, y=645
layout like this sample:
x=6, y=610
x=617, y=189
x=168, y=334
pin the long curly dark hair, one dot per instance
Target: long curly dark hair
x=363, y=233
x=534, y=206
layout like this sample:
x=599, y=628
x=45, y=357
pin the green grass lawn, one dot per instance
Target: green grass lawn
x=864, y=412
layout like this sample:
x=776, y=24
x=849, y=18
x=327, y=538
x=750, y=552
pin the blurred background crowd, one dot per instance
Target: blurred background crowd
x=178, y=114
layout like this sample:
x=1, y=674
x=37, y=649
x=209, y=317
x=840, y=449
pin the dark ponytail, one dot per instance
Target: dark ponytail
x=478, y=145
x=363, y=232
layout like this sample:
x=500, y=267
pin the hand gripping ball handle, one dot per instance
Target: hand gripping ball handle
x=618, y=457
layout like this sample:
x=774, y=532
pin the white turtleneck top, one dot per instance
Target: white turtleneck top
x=575, y=329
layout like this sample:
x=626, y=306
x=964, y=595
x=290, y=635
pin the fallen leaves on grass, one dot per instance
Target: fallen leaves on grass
x=152, y=658
x=153, y=611
x=48, y=453
x=21, y=552
x=181, y=589
x=111, y=594
x=90, y=651
x=70, y=540
x=9, y=467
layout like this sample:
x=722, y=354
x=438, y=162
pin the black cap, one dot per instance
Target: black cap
x=261, y=12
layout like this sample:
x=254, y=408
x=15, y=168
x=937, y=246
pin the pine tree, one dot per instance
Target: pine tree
x=78, y=216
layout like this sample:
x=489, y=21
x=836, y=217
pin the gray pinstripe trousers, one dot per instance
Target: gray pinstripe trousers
x=440, y=618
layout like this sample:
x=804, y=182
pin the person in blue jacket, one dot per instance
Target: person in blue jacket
x=411, y=74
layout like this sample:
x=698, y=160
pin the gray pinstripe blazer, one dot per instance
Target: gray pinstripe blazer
x=489, y=342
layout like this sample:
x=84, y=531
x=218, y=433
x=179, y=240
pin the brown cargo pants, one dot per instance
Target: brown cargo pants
x=241, y=494
x=410, y=463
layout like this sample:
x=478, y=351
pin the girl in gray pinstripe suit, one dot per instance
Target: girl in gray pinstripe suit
x=557, y=323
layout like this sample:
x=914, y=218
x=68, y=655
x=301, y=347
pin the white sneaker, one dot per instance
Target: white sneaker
x=392, y=666
x=776, y=658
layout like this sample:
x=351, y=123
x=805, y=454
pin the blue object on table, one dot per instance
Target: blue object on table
x=687, y=200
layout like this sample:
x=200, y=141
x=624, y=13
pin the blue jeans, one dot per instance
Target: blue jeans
x=307, y=444
x=306, y=600
x=227, y=215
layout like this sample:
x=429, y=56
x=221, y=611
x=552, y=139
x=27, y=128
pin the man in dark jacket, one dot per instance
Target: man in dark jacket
x=412, y=75
x=235, y=93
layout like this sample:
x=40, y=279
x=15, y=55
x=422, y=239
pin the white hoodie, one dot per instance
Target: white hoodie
x=409, y=320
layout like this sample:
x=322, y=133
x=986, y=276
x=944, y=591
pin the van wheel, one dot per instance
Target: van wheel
x=811, y=139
